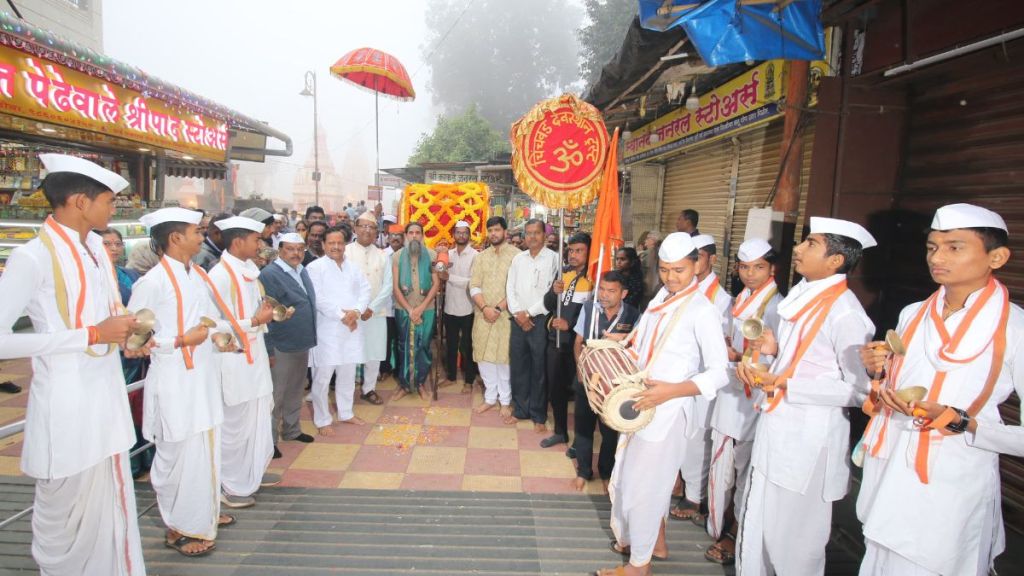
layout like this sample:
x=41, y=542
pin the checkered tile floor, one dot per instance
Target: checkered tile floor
x=406, y=444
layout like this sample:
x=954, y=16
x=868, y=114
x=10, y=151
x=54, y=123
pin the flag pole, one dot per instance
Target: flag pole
x=558, y=306
x=597, y=285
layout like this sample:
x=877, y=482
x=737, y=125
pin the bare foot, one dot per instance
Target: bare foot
x=507, y=417
x=604, y=483
x=447, y=383
x=540, y=428
x=325, y=431
x=401, y=393
x=578, y=484
x=483, y=408
x=355, y=420
x=424, y=394
x=467, y=388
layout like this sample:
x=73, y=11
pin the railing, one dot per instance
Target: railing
x=19, y=426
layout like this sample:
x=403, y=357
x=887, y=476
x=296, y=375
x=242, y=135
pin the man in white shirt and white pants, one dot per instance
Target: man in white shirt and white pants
x=678, y=344
x=376, y=266
x=801, y=451
x=78, y=428
x=342, y=294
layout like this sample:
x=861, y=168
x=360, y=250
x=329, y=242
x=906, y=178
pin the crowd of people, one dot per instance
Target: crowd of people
x=751, y=393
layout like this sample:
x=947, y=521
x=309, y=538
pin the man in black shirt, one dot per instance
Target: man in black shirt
x=616, y=319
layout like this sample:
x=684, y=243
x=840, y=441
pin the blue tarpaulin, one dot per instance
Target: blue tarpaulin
x=728, y=31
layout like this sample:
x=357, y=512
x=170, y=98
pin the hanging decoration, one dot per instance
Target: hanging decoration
x=558, y=152
x=439, y=206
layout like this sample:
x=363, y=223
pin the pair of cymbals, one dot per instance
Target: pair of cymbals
x=281, y=312
x=145, y=323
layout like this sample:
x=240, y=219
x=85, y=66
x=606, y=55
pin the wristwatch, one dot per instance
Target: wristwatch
x=961, y=426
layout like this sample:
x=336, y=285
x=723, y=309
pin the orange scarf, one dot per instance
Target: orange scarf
x=186, y=351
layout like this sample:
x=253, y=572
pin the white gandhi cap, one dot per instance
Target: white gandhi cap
x=165, y=215
x=703, y=240
x=461, y=224
x=239, y=222
x=956, y=216
x=292, y=238
x=675, y=247
x=845, y=228
x=55, y=163
x=753, y=249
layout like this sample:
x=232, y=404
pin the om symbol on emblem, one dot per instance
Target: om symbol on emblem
x=567, y=160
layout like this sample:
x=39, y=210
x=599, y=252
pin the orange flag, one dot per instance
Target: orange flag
x=607, y=222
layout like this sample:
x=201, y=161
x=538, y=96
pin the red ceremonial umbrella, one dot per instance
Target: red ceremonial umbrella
x=378, y=71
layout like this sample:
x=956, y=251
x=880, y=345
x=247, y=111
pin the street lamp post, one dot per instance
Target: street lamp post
x=310, y=90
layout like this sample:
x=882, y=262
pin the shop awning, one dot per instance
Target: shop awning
x=37, y=43
x=195, y=169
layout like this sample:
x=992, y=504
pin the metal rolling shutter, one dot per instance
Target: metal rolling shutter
x=699, y=179
x=760, y=159
x=964, y=145
x=645, y=185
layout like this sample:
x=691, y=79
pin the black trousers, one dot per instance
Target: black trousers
x=459, y=334
x=526, y=367
x=585, y=419
x=560, y=370
x=388, y=365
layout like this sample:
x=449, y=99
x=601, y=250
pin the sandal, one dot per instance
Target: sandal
x=231, y=521
x=617, y=571
x=686, y=510
x=183, y=541
x=372, y=397
x=719, y=555
x=624, y=551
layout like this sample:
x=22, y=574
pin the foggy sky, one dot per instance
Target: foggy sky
x=251, y=56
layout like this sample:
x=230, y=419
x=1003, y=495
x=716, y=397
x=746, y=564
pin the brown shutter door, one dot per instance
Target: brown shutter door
x=699, y=179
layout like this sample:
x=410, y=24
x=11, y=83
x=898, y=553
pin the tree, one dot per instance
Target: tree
x=502, y=56
x=464, y=138
x=601, y=39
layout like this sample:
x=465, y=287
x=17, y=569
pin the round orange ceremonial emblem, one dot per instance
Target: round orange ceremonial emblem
x=558, y=152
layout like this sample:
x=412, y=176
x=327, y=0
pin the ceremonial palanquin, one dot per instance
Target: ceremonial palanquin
x=439, y=206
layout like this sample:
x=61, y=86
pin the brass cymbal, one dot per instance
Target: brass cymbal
x=912, y=394
x=752, y=328
x=145, y=320
x=894, y=343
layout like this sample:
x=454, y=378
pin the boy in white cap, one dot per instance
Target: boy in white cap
x=342, y=295
x=930, y=498
x=801, y=444
x=376, y=267
x=78, y=428
x=247, y=442
x=733, y=417
x=694, y=470
x=678, y=343
x=183, y=406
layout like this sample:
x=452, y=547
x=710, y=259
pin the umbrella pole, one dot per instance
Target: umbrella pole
x=558, y=307
x=376, y=123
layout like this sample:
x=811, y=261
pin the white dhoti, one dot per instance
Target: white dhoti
x=185, y=479
x=247, y=445
x=86, y=523
x=344, y=392
x=694, y=468
x=784, y=532
x=497, y=383
x=375, y=347
x=728, y=471
x=641, y=488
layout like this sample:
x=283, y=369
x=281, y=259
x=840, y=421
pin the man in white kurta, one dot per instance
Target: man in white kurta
x=733, y=417
x=800, y=458
x=678, y=342
x=183, y=409
x=373, y=320
x=247, y=441
x=342, y=293
x=458, y=314
x=930, y=497
x=78, y=428
x=694, y=469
